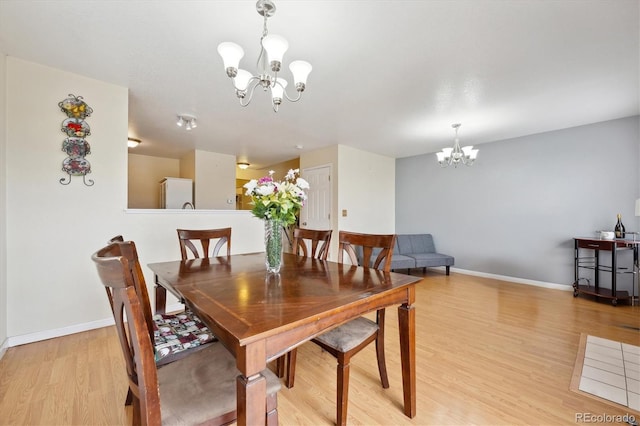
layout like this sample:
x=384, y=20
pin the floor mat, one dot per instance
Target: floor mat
x=609, y=371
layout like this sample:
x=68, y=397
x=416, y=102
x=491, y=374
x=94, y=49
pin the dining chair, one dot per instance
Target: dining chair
x=186, y=239
x=318, y=248
x=173, y=336
x=193, y=390
x=346, y=340
x=318, y=241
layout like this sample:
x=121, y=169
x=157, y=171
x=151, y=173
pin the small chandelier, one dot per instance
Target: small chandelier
x=187, y=121
x=456, y=155
x=272, y=49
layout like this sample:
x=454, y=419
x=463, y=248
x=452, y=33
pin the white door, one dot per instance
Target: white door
x=316, y=213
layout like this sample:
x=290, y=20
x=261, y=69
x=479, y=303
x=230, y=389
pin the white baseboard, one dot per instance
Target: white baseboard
x=563, y=287
x=57, y=332
x=4, y=347
x=64, y=331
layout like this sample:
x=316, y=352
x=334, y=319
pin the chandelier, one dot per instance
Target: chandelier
x=456, y=155
x=272, y=49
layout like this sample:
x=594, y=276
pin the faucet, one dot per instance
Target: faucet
x=187, y=204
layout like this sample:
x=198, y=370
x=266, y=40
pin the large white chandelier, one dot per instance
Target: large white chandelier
x=456, y=155
x=272, y=49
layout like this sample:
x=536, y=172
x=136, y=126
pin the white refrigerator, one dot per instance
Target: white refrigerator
x=175, y=193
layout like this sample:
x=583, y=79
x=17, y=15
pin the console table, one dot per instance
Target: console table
x=592, y=262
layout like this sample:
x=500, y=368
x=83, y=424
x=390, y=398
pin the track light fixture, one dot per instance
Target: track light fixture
x=187, y=121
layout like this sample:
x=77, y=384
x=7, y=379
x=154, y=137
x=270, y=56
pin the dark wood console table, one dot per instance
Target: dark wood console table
x=593, y=263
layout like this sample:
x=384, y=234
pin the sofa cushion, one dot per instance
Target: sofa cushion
x=415, y=243
x=400, y=261
x=431, y=259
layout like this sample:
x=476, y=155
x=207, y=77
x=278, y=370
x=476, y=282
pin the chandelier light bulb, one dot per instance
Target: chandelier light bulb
x=300, y=71
x=241, y=80
x=276, y=46
x=180, y=121
x=194, y=124
x=277, y=89
x=231, y=54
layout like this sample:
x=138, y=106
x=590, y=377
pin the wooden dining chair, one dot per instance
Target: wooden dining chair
x=173, y=336
x=318, y=241
x=186, y=239
x=345, y=341
x=306, y=243
x=193, y=390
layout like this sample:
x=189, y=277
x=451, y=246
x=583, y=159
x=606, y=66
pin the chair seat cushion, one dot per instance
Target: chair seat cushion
x=348, y=335
x=174, y=333
x=202, y=386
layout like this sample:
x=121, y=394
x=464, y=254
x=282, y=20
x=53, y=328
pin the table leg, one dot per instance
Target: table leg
x=251, y=386
x=252, y=394
x=161, y=297
x=407, y=325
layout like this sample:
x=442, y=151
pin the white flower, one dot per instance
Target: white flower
x=251, y=185
x=265, y=189
x=291, y=174
x=302, y=184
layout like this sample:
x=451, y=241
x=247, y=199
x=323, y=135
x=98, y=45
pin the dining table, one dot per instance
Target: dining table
x=260, y=316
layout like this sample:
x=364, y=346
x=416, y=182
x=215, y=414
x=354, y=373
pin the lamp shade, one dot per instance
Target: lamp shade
x=277, y=90
x=275, y=46
x=243, y=165
x=241, y=80
x=300, y=71
x=440, y=156
x=231, y=54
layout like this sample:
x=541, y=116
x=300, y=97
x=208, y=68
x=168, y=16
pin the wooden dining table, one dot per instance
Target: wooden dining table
x=260, y=317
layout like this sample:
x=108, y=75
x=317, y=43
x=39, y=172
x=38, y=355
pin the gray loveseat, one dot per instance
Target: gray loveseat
x=418, y=251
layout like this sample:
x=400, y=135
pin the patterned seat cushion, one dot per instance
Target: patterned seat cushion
x=178, y=332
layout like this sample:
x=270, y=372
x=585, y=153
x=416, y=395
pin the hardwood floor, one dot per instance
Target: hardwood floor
x=488, y=353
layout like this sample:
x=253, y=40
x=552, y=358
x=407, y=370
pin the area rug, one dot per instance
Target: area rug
x=608, y=371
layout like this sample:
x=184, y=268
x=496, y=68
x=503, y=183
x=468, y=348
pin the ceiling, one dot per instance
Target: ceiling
x=389, y=77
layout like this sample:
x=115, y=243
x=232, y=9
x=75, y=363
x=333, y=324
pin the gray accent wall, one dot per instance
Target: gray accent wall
x=514, y=213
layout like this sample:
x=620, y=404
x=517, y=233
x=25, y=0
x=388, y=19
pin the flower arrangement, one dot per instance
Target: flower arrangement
x=279, y=201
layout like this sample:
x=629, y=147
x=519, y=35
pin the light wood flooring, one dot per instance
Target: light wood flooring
x=488, y=353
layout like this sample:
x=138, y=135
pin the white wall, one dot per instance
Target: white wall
x=3, y=205
x=144, y=175
x=215, y=181
x=515, y=211
x=52, y=230
x=366, y=191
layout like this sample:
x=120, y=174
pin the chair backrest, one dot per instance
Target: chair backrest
x=128, y=250
x=117, y=274
x=205, y=236
x=377, y=249
x=318, y=241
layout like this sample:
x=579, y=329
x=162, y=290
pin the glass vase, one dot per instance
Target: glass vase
x=273, y=245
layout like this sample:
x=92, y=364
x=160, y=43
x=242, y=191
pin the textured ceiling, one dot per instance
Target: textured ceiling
x=388, y=77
